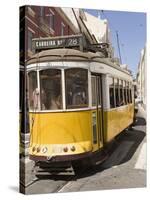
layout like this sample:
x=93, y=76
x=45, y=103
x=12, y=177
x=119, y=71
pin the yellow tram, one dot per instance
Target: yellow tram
x=78, y=102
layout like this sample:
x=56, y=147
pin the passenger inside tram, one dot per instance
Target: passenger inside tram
x=55, y=102
x=79, y=98
x=35, y=98
x=43, y=99
x=50, y=86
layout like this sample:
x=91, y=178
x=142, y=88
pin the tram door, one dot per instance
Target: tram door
x=97, y=111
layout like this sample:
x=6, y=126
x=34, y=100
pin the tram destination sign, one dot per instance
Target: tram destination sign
x=57, y=42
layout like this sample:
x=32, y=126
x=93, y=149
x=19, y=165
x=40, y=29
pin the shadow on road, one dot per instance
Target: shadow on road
x=134, y=138
x=140, y=121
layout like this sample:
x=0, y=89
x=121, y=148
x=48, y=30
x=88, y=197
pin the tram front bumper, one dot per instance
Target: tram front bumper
x=61, y=158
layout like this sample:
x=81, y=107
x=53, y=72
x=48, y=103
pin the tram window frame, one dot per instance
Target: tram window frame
x=51, y=89
x=76, y=89
x=112, y=102
x=33, y=93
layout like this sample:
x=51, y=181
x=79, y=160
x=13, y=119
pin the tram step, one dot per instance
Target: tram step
x=53, y=165
x=54, y=171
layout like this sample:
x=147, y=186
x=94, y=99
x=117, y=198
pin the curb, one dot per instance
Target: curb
x=142, y=112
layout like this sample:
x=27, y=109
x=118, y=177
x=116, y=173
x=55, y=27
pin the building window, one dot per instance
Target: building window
x=62, y=29
x=41, y=11
x=51, y=20
x=30, y=37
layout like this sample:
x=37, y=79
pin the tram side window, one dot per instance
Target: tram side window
x=76, y=81
x=130, y=95
x=130, y=92
x=125, y=93
x=50, y=89
x=33, y=93
x=111, y=93
x=117, y=97
x=121, y=93
x=121, y=97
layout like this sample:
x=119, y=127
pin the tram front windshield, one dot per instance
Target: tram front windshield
x=50, y=89
x=76, y=88
x=49, y=95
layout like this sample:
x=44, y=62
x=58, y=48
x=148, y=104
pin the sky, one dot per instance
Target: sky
x=131, y=27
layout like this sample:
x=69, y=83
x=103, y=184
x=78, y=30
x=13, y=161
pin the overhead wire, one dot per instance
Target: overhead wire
x=118, y=40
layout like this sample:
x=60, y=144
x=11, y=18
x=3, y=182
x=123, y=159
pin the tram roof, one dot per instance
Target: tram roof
x=72, y=55
x=62, y=54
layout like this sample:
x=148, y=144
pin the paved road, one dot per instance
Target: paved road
x=125, y=168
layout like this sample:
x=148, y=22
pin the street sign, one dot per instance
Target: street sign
x=69, y=41
x=57, y=42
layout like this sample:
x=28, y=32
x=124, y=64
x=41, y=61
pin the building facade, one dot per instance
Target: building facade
x=141, y=78
x=39, y=22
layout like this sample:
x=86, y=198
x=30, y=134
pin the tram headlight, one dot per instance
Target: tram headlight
x=65, y=149
x=33, y=149
x=73, y=148
x=44, y=150
x=38, y=149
